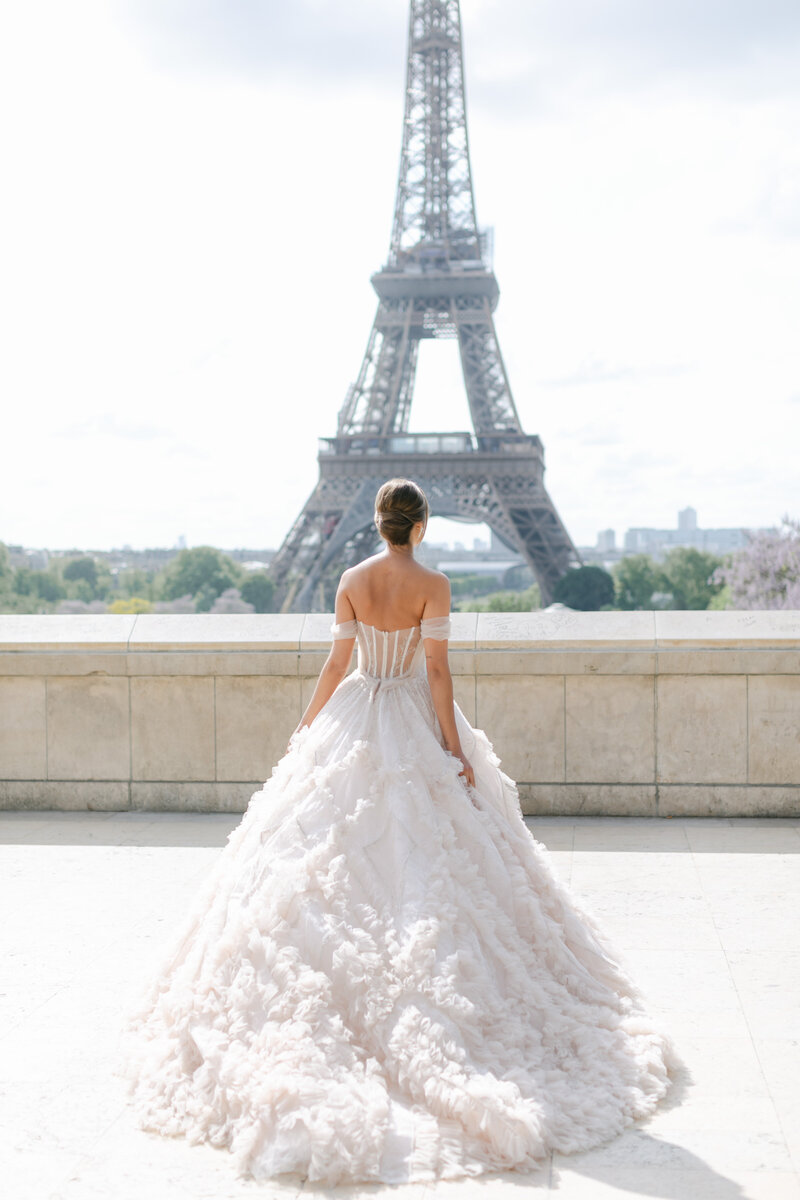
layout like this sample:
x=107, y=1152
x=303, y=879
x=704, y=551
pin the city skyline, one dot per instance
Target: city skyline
x=476, y=538
x=184, y=188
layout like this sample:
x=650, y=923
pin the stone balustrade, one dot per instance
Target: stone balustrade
x=669, y=713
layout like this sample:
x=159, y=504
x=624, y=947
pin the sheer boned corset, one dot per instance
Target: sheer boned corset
x=392, y=654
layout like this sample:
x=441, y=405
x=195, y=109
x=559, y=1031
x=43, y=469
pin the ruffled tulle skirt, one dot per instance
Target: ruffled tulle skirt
x=383, y=979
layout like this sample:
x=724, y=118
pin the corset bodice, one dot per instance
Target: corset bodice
x=392, y=654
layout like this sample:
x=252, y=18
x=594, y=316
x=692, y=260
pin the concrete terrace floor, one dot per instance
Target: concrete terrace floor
x=703, y=911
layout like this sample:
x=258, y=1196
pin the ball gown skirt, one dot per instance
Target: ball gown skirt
x=382, y=978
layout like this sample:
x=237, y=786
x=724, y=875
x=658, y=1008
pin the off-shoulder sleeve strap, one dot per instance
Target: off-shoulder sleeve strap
x=435, y=627
x=347, y=629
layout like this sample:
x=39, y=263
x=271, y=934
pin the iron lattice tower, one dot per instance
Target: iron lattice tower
x=436, y=283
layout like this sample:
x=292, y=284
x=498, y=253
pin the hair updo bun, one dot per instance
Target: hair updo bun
x=400, y=505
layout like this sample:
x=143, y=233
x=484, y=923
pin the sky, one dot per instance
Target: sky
x=196, y=193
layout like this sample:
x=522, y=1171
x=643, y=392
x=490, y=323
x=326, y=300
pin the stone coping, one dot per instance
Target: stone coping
x=531, y=632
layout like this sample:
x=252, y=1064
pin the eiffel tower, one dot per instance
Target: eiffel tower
x=435, y=284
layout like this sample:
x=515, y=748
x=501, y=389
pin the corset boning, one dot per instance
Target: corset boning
x=394, y=655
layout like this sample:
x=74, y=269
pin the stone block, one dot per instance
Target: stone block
x=702, y=729
x=82, y=661
x=23, y=746
x=172, y=727
x=234, y=661
x=579, y=660
x=55, y=631
x=462, y=662
x=610, y=727
x=588, y=799
x=192, y=797
x=687, y=800
x=549, y=630
x=722, y=660
x=774, y=728
x=88, y=728
x=736, y=629
x=311, y=662
x=523, y=717
x=315, y=633
x=254, y=720
x=216, y=631
x=464, y=629
x=64, y=795
x=464, y=695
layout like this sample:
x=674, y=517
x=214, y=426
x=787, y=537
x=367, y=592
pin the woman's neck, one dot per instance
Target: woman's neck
x=406, y=551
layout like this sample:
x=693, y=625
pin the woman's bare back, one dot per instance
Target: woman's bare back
x=392, y=591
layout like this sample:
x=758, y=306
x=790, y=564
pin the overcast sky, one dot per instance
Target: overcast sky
x=195, y=194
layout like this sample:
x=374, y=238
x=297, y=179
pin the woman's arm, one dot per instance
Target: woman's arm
x=336, y=664
x=441, y=681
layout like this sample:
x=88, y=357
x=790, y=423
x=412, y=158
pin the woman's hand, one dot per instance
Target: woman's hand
x=467, y=774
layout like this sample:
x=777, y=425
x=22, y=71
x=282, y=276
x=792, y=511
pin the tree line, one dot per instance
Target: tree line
x=765, y=574
x=200, y=579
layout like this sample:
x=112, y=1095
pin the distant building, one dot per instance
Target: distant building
x=20, y=556
x=606, y=540
x=658, y=542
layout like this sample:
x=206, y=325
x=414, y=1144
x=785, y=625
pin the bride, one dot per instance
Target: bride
x=382, y=979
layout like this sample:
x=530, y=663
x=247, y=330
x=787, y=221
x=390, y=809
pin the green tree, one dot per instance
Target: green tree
x=722, y=600
x=82, y=590
x=81, y=568
x=39, y=587
x=135, y=581
x=506, y=601
x=6, y=569
x=259, y=590
x=472, y=584
x=585, y=588
x=23, y=583
x=48, y=586
x=10, y=601
x=689, y=575
x=202, y=572
x=636, y=578
x=204, y=598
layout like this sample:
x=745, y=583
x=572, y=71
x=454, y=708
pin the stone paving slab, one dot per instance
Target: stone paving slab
x=703, y=913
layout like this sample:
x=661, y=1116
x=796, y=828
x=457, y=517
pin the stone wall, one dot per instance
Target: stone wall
x=673, y=713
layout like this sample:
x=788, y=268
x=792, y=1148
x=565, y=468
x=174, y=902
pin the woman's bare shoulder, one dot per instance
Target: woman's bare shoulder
x=437, y=578
x=361, y=568
x=436, y=587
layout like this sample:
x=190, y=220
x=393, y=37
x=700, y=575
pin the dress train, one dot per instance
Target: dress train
x=382, y=978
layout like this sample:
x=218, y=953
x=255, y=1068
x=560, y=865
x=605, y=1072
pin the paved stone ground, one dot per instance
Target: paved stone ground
x=705, y=913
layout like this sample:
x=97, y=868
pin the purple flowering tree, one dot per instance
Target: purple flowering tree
x=766, y=574
x=182, y=604
x=71, y=607
x=231, y=602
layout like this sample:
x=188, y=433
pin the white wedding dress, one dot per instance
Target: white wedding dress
x=382, y=978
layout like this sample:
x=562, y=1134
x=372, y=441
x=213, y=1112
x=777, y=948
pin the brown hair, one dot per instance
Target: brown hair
x=399, y=505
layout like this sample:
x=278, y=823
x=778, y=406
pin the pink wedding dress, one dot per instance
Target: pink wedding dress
x=382, y=979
